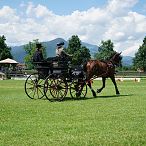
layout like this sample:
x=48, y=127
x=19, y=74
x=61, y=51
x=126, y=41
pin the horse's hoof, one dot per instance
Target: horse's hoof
x=94, y=95
x=98, y=91
x=117, y=94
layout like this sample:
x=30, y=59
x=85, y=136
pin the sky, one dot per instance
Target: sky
x=122, y=21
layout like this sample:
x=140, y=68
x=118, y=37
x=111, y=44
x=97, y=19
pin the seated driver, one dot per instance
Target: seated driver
x=38, y=55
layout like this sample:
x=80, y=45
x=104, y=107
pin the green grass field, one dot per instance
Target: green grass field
x=105, y=120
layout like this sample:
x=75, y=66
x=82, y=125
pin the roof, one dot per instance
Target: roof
x=9, y=61
x=1, y=73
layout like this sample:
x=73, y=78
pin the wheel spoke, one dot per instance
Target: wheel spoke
x=34, y=87
x=57, y=88
x=34, y=94
x=78, y=88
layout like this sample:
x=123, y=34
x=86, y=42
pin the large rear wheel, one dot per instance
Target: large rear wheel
x=34, y=86
x=56, y=86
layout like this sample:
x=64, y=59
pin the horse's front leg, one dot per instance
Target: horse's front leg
x=103, y=85
x=115, y=84
x=89, y=84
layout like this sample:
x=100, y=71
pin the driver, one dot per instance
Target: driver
x=38, y=55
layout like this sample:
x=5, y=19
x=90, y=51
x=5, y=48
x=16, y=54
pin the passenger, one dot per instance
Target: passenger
x=38, y=55
x=61, y=53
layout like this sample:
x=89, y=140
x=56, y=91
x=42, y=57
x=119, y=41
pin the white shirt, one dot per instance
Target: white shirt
x=59, y=51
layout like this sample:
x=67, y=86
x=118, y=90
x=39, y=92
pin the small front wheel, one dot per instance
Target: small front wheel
x=78, y=89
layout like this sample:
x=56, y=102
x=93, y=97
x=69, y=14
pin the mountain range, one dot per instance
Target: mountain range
x=19, y=53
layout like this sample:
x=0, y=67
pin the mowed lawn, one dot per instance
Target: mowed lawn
x=105, y=120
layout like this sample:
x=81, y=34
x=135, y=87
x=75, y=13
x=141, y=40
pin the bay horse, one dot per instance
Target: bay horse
x=104, y=69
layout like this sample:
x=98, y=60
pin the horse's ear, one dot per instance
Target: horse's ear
x=119, y=53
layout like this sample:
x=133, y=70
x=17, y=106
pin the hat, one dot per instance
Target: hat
x=60, y=44
x=39, y=45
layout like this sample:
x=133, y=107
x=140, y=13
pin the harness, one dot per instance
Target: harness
x=110, y=64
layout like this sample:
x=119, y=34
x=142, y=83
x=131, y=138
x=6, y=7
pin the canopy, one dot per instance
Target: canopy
x=8, y=61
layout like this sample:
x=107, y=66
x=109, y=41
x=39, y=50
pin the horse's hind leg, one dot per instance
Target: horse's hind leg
x=103, y=85
x=115, y=84
x=93, y=92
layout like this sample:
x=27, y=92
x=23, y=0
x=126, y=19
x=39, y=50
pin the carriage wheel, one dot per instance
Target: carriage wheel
x=78, y=89
x=47, y=85
x=34, y=86
x=56, y=86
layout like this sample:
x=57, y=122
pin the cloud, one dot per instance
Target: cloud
x=38, y=11
x=8, y=15
x=120, y=8
x=115, y=21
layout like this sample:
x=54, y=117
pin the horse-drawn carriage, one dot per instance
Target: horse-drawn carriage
x=53, y=79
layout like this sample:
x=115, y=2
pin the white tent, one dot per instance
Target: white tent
x=8, y=61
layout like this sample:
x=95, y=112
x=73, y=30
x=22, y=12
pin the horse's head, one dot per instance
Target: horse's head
x=116, y=59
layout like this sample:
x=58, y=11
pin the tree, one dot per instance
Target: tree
x=5, y=51
x=106, y=50
x=74, y=44
x=80, y=53
x=30, y=48
x=139, y=60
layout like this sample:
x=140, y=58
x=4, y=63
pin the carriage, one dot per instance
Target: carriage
x=56, y=79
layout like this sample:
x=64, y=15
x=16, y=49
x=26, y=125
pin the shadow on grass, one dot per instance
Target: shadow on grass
x=104, y=96
x=111, y=96
x=67, y=98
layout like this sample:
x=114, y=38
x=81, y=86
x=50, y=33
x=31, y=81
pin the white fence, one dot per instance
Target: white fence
x=121, y=79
